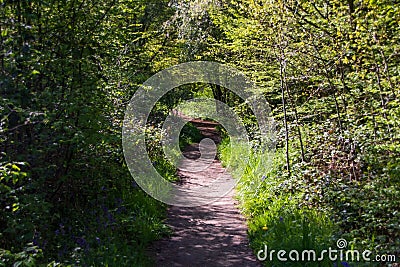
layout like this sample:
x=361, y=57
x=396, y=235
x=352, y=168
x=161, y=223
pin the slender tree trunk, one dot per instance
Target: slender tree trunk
x=381, y=92
x=281, y=71
x=336, y=105
x=345, y=87
x=282, y=66
x=293, y=106
x=217, y=92
x=385, y=70
x=351, y=12
x=383, y=103
x=338, y=112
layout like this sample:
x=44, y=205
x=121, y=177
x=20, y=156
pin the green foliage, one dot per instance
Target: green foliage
x=68, y=68
x=126, y=225
x=273, y=204
x=27, y=257
x=189, y=134
x=367, y=208
x=336, y=67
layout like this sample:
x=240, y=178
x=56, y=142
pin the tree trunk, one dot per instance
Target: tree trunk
x=284, y=115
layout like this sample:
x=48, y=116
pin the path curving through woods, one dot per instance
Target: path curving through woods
x=210, y=235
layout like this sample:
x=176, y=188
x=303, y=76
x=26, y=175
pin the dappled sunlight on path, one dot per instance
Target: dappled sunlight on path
x=210, y=235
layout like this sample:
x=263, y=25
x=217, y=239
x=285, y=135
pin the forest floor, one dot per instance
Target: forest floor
x=209, y=235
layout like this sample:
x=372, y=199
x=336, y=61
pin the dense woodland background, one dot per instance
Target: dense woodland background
x=329, y=69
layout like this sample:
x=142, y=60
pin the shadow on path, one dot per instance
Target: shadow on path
x=211, y=235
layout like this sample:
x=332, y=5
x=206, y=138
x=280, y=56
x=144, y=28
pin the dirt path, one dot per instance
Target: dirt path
x=212, y=235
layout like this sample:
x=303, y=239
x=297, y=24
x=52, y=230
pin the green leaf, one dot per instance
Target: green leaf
x=5, y=32
x=15, y=167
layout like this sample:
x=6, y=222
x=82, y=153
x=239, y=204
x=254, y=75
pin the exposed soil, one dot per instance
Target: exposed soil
x=211, y=235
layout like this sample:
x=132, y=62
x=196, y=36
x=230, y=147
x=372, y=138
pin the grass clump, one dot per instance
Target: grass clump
x=273, y=205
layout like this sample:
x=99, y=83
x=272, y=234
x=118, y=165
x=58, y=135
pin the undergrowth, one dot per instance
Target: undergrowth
x=276, y=215
x=189, y=135
x=318, y=203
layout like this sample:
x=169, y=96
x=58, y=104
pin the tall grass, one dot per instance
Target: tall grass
x=273, y=206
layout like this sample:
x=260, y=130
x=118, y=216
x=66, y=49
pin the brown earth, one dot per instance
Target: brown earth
x=210, y=235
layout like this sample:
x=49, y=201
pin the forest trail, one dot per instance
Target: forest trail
x=210, y=235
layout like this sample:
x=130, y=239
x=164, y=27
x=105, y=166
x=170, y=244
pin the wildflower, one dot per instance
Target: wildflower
x=81, y=241
x=35, y=240
x=265, y=228
x=110, y=218
x=104, y=208
x=263, y=178
x=121, y=210
x=281, y=219
x=118, y=201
